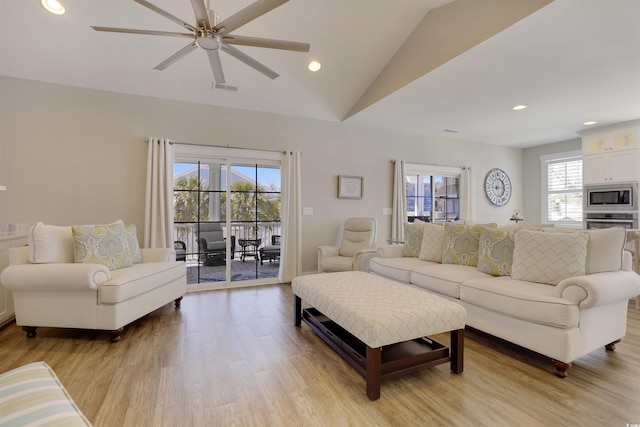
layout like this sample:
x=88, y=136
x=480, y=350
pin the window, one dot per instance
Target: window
x=562, y=188
x=433, y=193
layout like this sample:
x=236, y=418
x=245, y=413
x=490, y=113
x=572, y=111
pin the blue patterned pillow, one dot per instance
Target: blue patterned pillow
x=495, y=251
x=102, y=244
x=132, y=242
x=412, y=239
x=461, y=243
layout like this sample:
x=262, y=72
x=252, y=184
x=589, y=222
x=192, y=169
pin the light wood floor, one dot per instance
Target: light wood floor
x=234, y=358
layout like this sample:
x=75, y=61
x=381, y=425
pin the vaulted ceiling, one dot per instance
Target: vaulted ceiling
x=449, y=68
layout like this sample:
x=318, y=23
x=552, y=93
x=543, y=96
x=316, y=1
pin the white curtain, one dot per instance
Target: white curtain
x=467, y=198
x=158, y=206
x=399, y=212
x=291, y=211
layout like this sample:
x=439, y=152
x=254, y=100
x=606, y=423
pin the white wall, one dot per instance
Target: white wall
x=72, y=156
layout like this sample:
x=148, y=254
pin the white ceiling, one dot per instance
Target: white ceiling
x=571, y=61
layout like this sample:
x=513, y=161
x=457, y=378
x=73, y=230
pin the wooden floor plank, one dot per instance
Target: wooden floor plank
x=234, y=358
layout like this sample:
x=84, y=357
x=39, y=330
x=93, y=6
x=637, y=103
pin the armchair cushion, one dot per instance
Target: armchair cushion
x=50, y=243
x=358, y=234
x=102, y=244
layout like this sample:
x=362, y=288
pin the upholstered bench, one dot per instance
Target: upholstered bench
x=33, y=395
x=378, y=325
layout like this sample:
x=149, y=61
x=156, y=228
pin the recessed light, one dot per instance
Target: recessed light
x=589, y=123
x=314, y=66
x=518, y=107
x=53, y=6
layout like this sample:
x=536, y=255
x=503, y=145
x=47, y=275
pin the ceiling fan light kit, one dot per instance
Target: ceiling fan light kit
x=212, y=36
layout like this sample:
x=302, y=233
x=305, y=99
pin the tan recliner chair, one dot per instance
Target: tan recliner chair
x=355, y=250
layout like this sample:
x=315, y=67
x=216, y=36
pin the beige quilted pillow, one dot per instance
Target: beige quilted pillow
x=549, y=258
x=432, y=241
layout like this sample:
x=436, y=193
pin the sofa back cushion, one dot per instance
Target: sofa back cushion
x=432, y=242
x=546, y=257
x=50, y=243
x=495, y=251
x=102, y=244
x=461, y=243
x=412, y=238
x=604, y=251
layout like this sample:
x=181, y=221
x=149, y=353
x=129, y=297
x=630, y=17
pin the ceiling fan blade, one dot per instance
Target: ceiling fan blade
x=269, y=43
x=166, y=14
x=216, y=67
x=250, y=61
x=202, y=17
x=179, y=54
x=247, y=14
x=145, y=32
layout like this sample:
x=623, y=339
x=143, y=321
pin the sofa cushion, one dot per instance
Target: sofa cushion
x=396, y=268
x=50, y=244
x=445, y=278
x=127, y=283
x=132, y=242
x=33, y=395
x=546, y=257
x=432, y=241
x=604, y=250
x=529, y=301
x=102, y=244
x=461, y=243
x=412, y=238
x=495, y=251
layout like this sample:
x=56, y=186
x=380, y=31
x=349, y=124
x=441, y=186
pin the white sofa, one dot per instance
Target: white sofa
x=90, y=277
x=560, y=293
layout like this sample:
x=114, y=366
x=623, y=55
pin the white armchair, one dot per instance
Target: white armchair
x=51, y=290
x=355, y=250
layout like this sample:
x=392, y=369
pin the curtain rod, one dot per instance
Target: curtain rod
x=221, y=146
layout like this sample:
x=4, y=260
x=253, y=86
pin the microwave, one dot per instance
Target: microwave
x=611, y=197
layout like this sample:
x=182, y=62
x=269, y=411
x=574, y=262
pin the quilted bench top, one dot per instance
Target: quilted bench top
x=378, y=311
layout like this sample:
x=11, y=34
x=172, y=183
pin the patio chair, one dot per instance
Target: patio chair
x=212, y=245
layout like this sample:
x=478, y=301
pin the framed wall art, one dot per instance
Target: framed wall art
x=350, y=187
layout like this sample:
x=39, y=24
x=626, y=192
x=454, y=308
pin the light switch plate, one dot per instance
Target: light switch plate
x=387, y=211
x=307, y=211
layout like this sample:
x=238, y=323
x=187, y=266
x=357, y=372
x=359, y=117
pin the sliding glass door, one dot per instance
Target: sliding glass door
x=227, y=219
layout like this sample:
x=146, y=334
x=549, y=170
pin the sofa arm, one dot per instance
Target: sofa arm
x=54, y=277
x=158, y=254
x=390, y=251
x=600, y=288
x=361, y=259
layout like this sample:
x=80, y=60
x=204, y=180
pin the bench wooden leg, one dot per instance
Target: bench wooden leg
x=457, y=351
x=374, y=367
x=297, y=310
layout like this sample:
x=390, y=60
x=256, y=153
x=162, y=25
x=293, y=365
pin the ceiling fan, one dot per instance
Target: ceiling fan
x=212, y=36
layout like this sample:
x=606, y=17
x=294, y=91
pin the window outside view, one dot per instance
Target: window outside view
x=432, y=198
x=227, y=232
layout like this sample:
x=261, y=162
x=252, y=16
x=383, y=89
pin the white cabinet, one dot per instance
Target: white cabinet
x=611, y=157
x=621, y=139
x=8, y=240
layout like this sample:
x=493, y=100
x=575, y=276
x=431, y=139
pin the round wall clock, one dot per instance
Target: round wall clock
x=497, y=186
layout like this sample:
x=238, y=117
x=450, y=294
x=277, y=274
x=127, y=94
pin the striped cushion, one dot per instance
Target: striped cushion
x=32, y=395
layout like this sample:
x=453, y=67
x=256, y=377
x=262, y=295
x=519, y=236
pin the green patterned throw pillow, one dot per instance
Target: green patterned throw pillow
x=495, y=251
x=461, y=243
x=412, y=239
x=132, y=242
x=102, y=244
